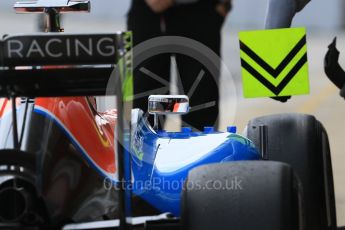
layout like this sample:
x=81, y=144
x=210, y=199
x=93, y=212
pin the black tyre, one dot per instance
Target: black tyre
x=302, y=142
x=248, y=195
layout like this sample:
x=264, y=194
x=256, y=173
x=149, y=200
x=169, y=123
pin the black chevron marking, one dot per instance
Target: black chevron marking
x=275, y=89
x=274, y=72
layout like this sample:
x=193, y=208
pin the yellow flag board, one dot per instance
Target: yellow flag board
x=274, y=62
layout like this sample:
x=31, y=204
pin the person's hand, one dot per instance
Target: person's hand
x=159, y=6
x=223, y=8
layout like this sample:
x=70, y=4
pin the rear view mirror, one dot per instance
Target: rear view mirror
x=168, y=104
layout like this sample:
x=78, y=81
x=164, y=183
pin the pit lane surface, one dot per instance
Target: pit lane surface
x=323, y=102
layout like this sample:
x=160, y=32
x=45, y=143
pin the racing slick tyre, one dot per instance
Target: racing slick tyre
x=302, y=142
x=246, y=195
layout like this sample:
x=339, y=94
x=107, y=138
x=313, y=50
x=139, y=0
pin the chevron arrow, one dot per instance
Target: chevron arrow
x=275, y=72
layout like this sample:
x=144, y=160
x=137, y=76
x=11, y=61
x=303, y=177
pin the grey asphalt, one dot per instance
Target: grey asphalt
x=323, y=101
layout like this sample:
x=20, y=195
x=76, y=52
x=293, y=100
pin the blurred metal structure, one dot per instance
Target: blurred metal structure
x=52, y=10
x=62, y=6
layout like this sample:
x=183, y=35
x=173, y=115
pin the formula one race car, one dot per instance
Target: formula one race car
x=65, y=164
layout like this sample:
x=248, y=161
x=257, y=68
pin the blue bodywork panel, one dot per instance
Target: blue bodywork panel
x=161, y=161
